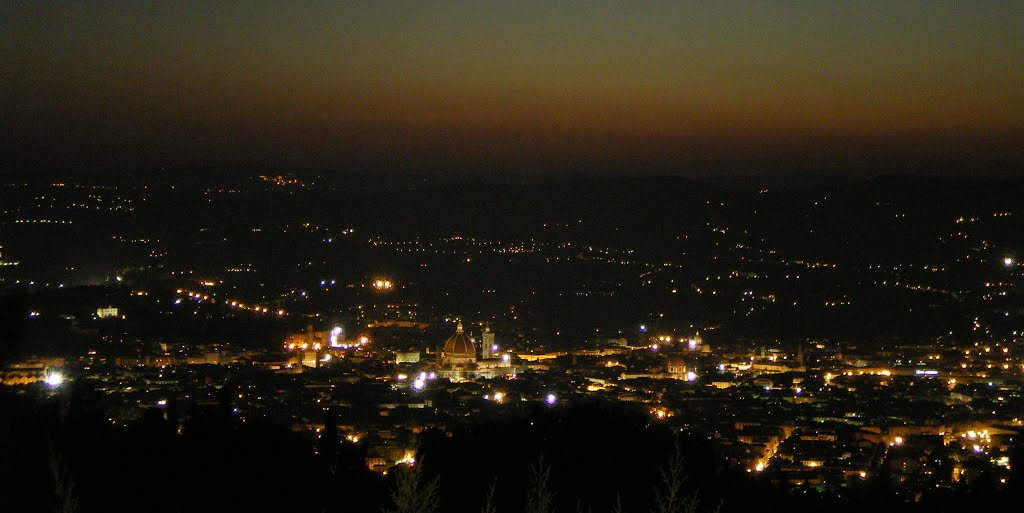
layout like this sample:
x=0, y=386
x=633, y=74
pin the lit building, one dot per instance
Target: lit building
x=407, y=357
x=488, y=348
x=107, y=313
x=459, y=359
x=458, y=349
x=31, y=370
x=697, y=344
x=676, y=366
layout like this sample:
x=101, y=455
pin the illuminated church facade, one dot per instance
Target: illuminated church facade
x=459, y=359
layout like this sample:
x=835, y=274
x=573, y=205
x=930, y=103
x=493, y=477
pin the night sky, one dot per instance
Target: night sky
x=689, y=88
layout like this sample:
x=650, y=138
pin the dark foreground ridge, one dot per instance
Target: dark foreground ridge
x=593, y=456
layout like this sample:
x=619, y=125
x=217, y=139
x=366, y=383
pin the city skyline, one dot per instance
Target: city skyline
x=537, y=257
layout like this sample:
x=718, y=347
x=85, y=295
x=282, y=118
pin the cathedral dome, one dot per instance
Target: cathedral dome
x=459, y=345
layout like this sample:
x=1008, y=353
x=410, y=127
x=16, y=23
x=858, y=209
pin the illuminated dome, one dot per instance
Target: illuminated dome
x=458, y=348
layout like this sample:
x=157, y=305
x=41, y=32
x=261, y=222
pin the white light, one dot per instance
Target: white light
x=550, y=399
x=162, y=402
x=54, y=378
x=1008, y=262
x=418, y=384
x=498, y=396
x=336, y=336
x=506, y=358
x=691, y=376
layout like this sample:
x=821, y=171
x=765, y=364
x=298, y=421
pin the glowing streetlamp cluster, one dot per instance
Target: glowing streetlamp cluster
x=420, y=381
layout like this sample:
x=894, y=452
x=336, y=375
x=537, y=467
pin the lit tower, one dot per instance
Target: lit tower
x=488, y=348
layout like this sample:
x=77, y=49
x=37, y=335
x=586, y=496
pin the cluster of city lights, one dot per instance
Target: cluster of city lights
x=335, y=342
x=419, y=382
x=661, y=413
x=383, y=284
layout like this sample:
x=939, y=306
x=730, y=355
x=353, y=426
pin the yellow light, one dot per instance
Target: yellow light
x=409, y=458
x=382, y=284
